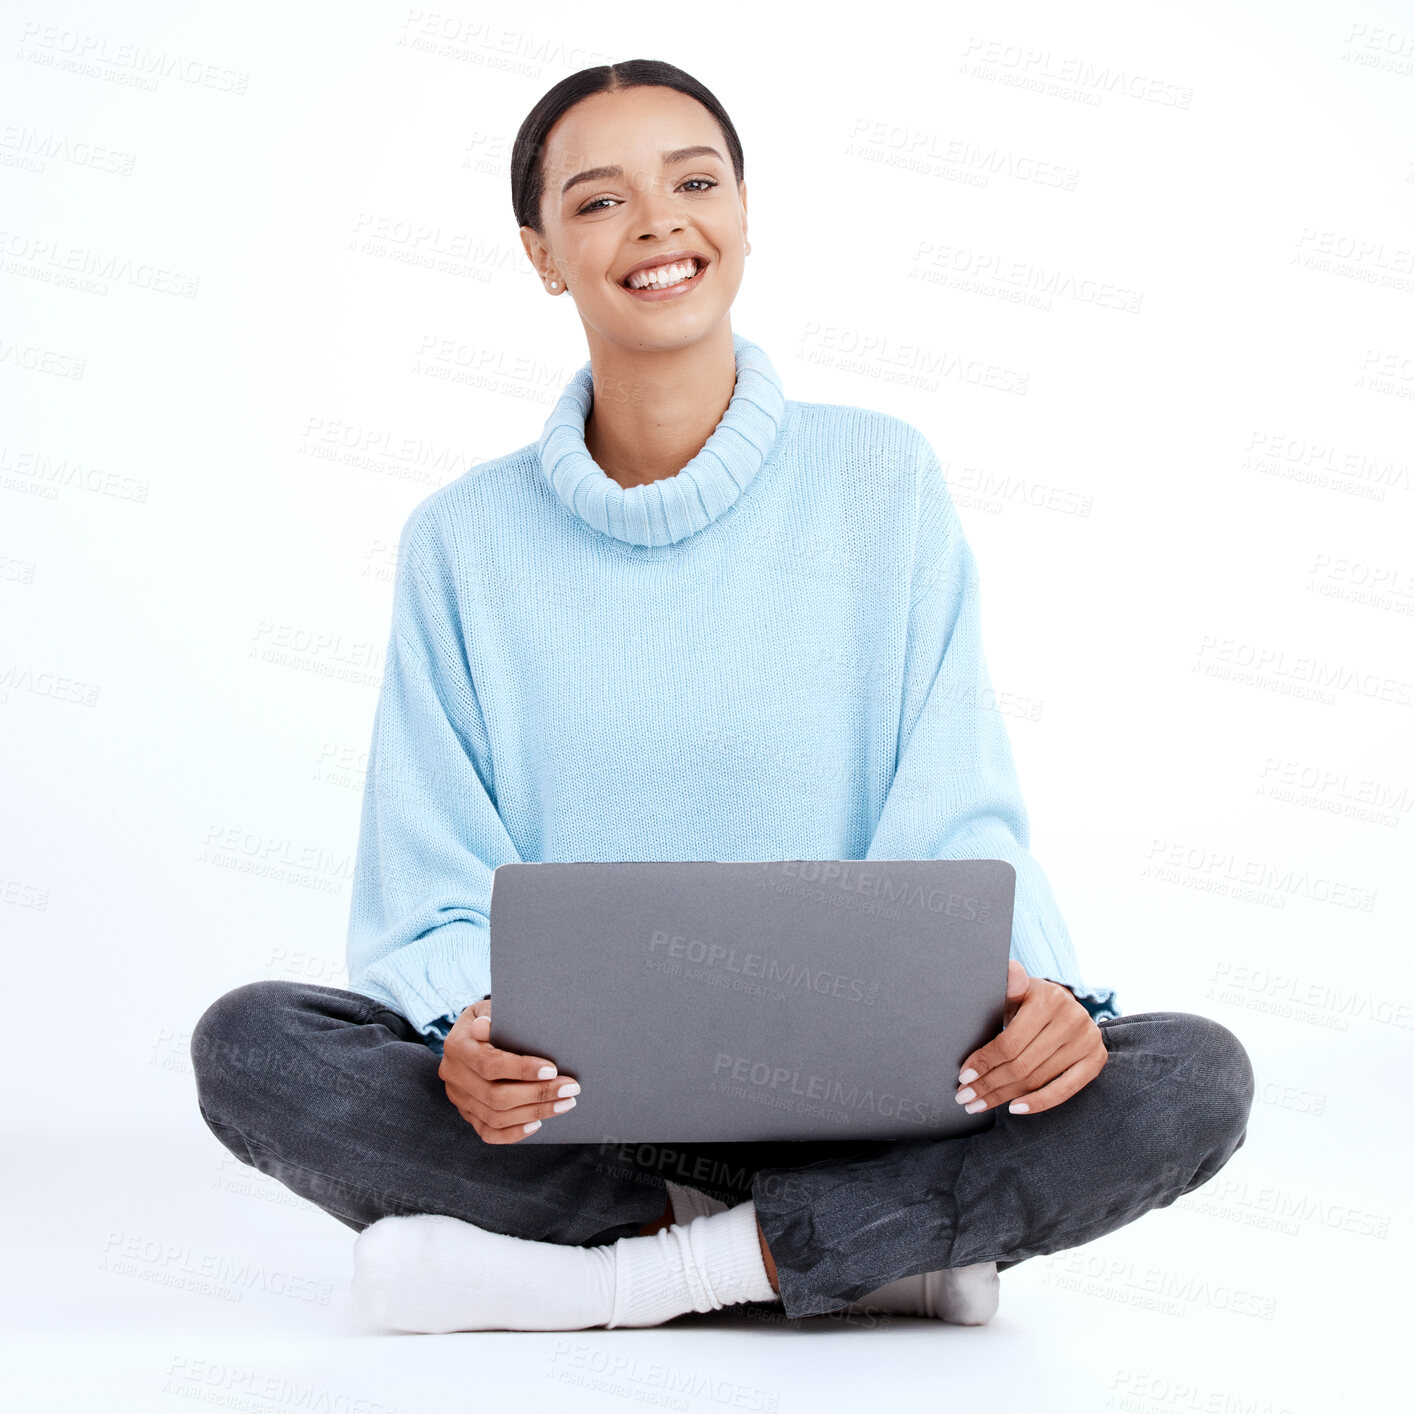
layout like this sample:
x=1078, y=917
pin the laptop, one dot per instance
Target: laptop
x=702, y=1001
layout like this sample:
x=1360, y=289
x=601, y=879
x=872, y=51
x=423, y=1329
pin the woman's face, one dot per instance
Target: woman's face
x=629, y=179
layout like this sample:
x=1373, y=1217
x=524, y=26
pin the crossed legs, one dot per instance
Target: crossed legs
x=338, y=1098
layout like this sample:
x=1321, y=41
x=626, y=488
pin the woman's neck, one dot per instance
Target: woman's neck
x=653, y=410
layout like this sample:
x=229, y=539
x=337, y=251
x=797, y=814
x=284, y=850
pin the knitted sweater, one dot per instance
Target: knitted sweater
x=773, y=655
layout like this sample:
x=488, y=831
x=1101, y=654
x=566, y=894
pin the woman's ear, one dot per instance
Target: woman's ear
x=537, y=252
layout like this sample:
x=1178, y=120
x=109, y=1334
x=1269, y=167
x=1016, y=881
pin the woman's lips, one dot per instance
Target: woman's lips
x=653, y=295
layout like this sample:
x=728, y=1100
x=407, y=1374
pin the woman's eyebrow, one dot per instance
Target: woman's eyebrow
x=678, y=154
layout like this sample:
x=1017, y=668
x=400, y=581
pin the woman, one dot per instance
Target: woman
x=694, y=620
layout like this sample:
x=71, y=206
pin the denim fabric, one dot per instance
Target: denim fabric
x=339, y=1099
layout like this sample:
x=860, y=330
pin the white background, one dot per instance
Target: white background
x=254, y=310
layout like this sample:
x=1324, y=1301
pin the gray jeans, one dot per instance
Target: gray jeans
x=338, y=1098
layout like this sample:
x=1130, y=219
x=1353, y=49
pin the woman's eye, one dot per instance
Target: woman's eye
x=706, y=183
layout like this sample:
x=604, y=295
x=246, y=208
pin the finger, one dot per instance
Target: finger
x=484, y=1071
x=495, y=1064
x=1056, y=1033
x=474, y=1107
x=492, y=1064
x=1029, y=1072
x=503, y=1095
x=1074, y=1078
x=481, y=1008
x=1030, y=1017
x=500, y=1136
x=1018, y=983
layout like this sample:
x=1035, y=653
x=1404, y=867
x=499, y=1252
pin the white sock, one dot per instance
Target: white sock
x=709, y=1263
x=962, y=1296
x=689, y=1203
x=435, y=1274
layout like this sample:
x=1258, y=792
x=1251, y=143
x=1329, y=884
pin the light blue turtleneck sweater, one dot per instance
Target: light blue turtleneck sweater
x=773, y=655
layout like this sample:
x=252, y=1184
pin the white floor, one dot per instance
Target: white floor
x=170, y=1278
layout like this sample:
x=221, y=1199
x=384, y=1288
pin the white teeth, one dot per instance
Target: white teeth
x=663, y=275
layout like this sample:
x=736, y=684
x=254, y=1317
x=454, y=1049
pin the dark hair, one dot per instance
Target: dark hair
x=527, y=177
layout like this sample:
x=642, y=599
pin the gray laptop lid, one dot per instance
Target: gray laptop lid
x=701, y=1001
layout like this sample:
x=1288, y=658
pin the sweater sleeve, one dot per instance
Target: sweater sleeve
x=955, y=793
x=429, y=836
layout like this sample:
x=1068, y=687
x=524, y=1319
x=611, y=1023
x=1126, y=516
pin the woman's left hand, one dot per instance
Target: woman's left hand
x=1049, y=1049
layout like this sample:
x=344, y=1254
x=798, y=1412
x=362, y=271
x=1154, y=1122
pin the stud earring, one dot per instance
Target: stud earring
x=554, y=284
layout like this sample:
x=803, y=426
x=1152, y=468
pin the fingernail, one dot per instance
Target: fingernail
x=564, y=1105
x=963, y=1096
x=1017, y=1108
x=967, y=1075
x=532, y=1126
x=975, y=1106
x=546, y=1072
x=571, y=1089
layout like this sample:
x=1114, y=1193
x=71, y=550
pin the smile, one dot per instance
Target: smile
x=668, y=280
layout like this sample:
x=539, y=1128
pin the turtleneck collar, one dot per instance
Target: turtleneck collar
x=674, y=507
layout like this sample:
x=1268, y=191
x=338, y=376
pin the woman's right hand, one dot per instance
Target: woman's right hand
x=502, y=1095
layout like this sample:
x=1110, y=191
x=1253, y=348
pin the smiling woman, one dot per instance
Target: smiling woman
x=694, y=620
x=628, y=185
